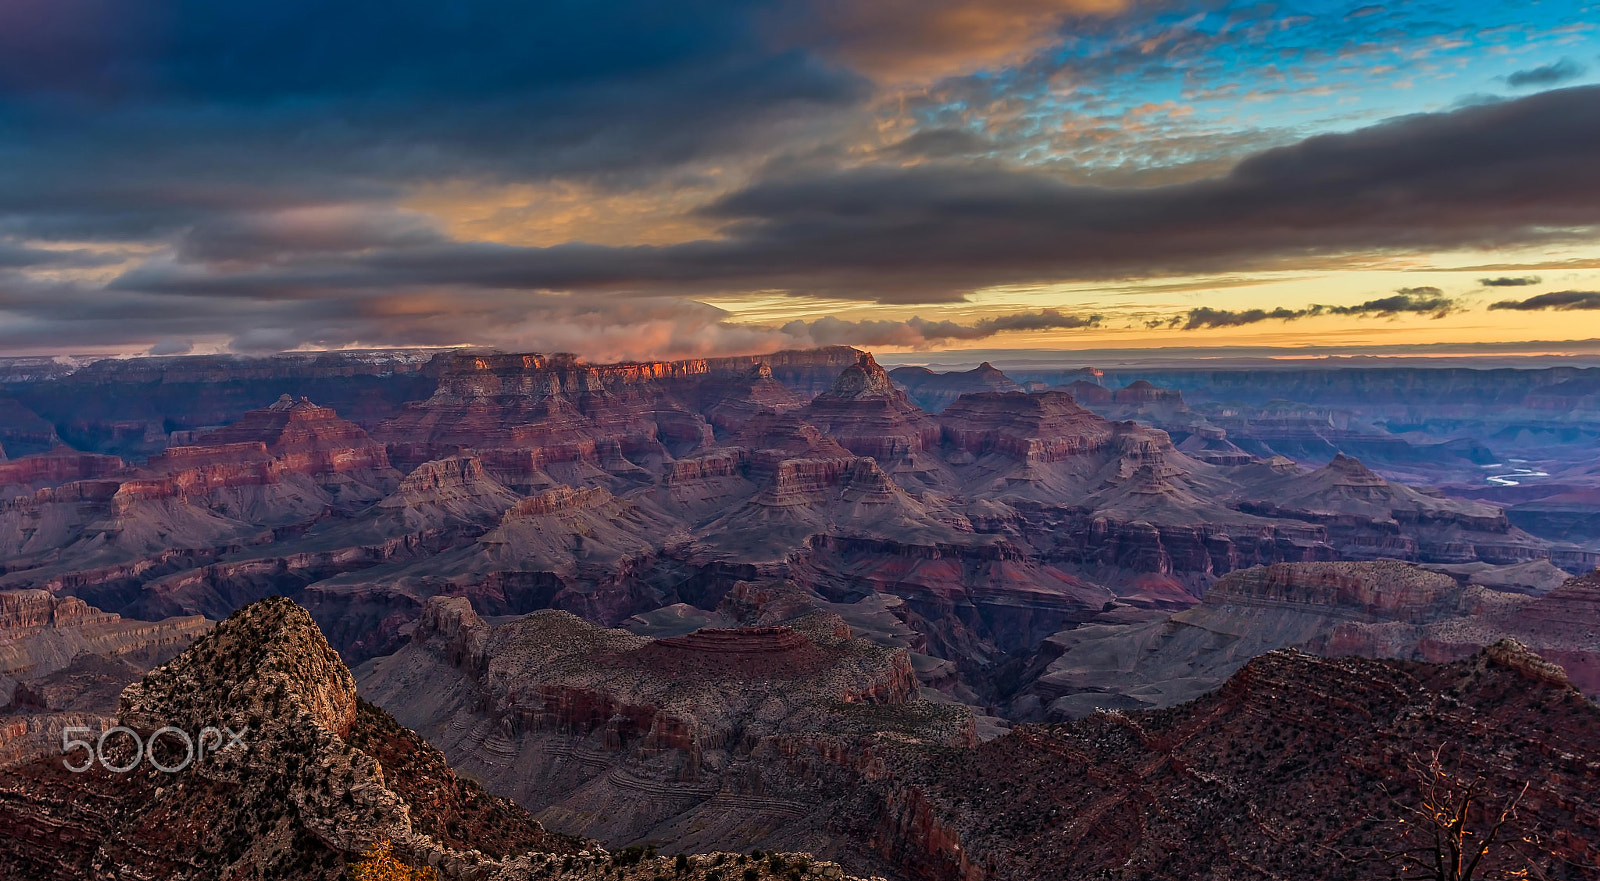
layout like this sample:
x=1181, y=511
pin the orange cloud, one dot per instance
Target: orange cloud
x=540, y=215
x=920, y=40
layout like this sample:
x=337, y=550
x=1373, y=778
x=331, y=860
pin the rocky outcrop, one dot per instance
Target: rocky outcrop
x=1042, y=448
x=868, y=416
x=314, y=780
x=619, y=491
x=61, y=465
x=632, y=739
x=1296, y=761
x=282, y=468
x=22, y=431
x=132, y=407
x=1375, y=609
x=1369, y=517
x=41, y=633
x=1563, y=626
x=567, y=410
x=63, y=663
x=971, y=600
x=806, y=372
x=1149, y=545
x=811, y=497
x=729, y=402
x=1030, y=428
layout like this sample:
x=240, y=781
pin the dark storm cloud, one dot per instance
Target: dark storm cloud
x=137, y=118
x=1419, y=300
x=1510, y=281
x=942, y=143
x=263, y=148
x=1547, y=75
x=1564, y=301
x=1516, y=172
x=171, y=347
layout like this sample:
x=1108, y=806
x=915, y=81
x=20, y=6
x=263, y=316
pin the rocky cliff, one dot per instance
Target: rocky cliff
x=310, y=784
x=1297, y=766
x=868, y=416
x=132, y=406
x=63, y=663
x=632, y=739
x=283, y=467
x=23, y=476
x=1369, y=517
x=1385, y=609
x=617, y=491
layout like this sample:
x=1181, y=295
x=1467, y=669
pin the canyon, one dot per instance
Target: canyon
x=716, y=606
x=1295, y=760
x=524, y=482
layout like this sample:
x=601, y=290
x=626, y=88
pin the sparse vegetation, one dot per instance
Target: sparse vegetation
x=380, y=864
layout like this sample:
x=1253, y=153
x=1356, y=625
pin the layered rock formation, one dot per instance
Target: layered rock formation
x=730, y=402
x=24, y=432
x=1563, y=626
x=1297, y=765
x=24, y=476
x=868, y=416
x=632, y=739
x=131, y=407
x=616, y=491
x=1384, y=609
x=1369, y=517
x=281, y=468
x=525, y=413
x=63, y=662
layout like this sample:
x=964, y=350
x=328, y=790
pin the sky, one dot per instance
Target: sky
x=632, y=180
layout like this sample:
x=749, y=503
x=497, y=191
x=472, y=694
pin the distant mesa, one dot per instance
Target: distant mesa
x=936, y=391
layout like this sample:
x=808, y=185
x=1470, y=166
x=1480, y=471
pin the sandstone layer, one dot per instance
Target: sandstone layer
x=636, y=740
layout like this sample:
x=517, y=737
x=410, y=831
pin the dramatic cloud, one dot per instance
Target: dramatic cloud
x=1517, y=172
x=270, y=173
x=1563, y=301
x=125, y=120
x=1506, y=281
x=1423, y=300
x=1547, y=75
x=917, y=332
x=46, y=317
